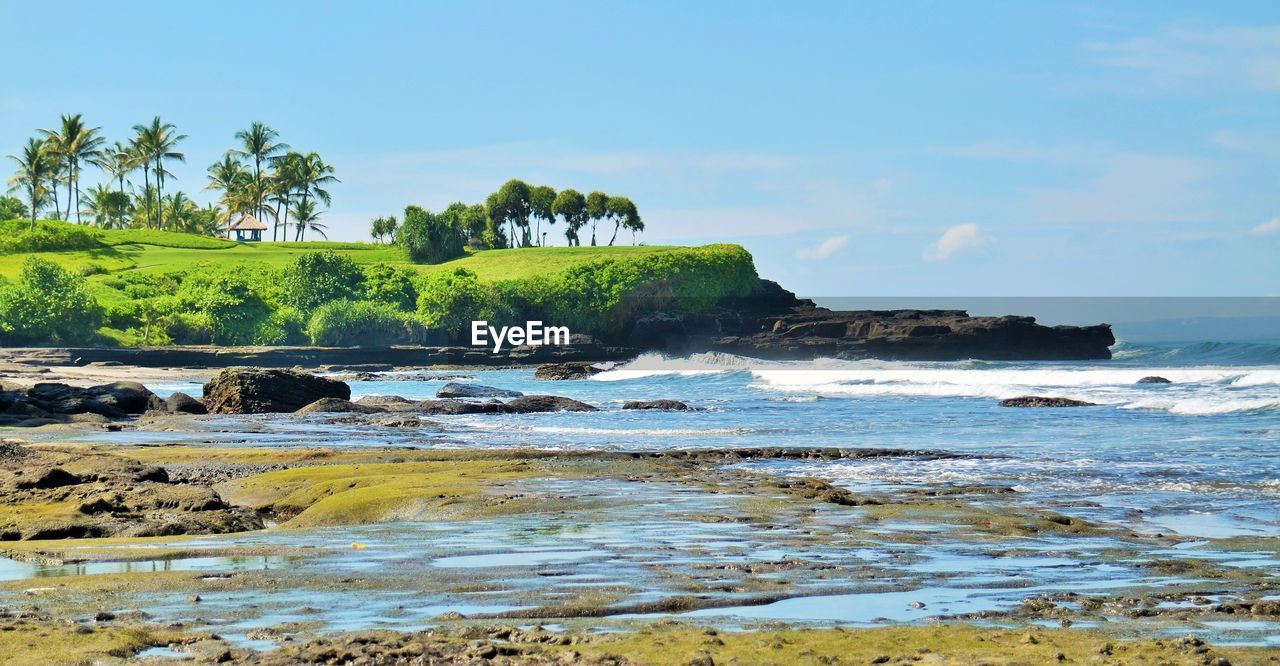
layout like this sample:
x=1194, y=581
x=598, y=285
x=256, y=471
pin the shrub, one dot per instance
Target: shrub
x=284, y=326
x=430, y=237
x=230, y=304
x=449, y=301
x=605, y=297
x=47, y=304
x=190, y=328
x=392, y=285
x=363, y=323
x=316, y=278
x=47, y=236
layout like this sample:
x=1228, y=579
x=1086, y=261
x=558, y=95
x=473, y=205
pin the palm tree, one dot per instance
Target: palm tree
x=235, y=182
x=179, y=208
x=282, y=180
x=157, y=143
x=75, y=144
x=118, y=161
x=36, y=166
x=107, y=206
x=260, y=143
x=305, y=216
x=310, y=173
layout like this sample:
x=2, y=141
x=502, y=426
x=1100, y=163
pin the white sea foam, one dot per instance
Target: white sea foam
x=1195, y=390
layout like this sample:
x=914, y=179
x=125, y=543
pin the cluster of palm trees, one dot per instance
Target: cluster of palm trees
x=263, y=177
x=522, y=208
x=260, y=177
x=52, y=163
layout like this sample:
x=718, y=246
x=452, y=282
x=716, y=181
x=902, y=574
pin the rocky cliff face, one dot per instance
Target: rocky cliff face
x=773, y=323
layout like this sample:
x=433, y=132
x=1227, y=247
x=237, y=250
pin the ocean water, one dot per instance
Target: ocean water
x=1199, y=456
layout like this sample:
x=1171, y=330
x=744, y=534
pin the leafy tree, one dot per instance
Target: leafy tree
x=384, y=228
x=429, y=237
x=596, y=211
x=622, y=212
x=259, y=143
x=474, y=221
x=47, y=304
x=389, y=284
x=12, y=208
x=572, y=207
x=541, y=200
x=36, y=167
x=511, y=206
x=316, y=278
x=155, y=144
x=75, y=145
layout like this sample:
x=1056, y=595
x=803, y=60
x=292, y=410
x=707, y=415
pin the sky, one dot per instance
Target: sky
x=856, y=149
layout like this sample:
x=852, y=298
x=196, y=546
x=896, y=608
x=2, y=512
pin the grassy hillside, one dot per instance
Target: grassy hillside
x=168, y=287
x=140, y=250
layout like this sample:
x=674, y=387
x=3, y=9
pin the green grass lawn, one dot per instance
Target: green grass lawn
x=162, y=251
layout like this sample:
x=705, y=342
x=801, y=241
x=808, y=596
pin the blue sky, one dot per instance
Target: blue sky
x=913, y=148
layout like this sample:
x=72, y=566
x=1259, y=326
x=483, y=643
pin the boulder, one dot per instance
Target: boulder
x=452, y=406
x=338, y=405
x=1043, y=401
x=181, y=403
x=1154, y=379
x=264, y=390
x=655, y=404
x=111, y=400
x=390, y=403
x=547, y=403
x=569, y=370
x=459, y=390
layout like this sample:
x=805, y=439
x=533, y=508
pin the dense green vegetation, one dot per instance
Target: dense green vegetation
x=70, y=284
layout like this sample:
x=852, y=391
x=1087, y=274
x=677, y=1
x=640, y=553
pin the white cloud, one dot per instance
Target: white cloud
x=957, y=239
x=1267, y=228
x=1191, y=57
x=824, y=249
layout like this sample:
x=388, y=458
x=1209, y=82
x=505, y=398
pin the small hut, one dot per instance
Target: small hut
x=246, y=229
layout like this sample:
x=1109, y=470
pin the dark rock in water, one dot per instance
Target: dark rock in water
x=390, y=403
x=457, y=390
x=111, y=400
x=262, y=390
x=655, y=404
x=1153, y=379
x=772, y=322
x=49, y=402
x=451, y=406
x=547, y=403
x=338, y=405
x=572, y=370
x=1043, y=401
x=181, y=403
